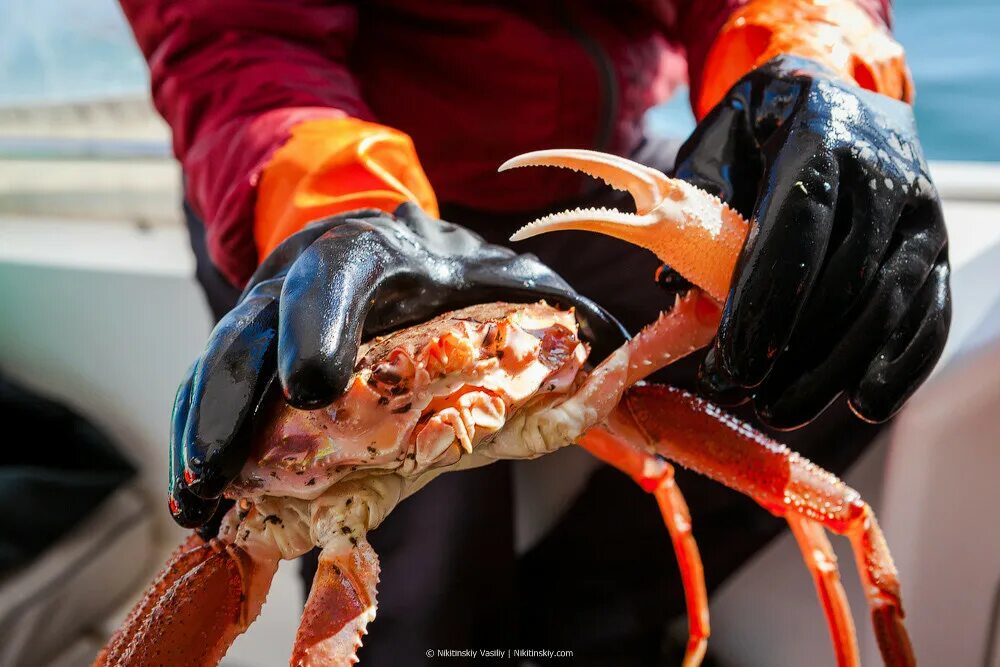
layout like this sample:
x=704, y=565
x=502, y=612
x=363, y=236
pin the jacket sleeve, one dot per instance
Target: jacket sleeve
x=237, y=80
x=724, y=39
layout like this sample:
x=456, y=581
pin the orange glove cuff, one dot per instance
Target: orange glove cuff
x=332, y=165
x=836, y=33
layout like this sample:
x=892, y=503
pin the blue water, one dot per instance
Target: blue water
x=61, y=50
x=954, y=53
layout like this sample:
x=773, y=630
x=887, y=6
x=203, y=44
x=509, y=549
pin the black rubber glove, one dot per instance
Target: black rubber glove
x=306, y=310
x=843, y=285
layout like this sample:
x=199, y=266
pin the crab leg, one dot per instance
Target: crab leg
x=340, y=605
x=191, y=554
x=656, y=476
x=206, y=596
x=822, y=563
x=697, y=435
x=700, y=237
x=689, y=325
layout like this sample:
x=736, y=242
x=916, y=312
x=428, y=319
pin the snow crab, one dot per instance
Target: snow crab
x=506, y=381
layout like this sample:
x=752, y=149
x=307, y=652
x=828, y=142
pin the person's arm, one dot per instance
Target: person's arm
x=851, y=37
x=805, y=127
x=268, y=120
x=725, y=39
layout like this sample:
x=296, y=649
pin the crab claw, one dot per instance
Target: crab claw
x=693, y=231
x=340, y=606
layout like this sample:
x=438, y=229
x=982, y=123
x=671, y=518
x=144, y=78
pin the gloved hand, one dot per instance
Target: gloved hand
x=843, y=285
x=306, y=310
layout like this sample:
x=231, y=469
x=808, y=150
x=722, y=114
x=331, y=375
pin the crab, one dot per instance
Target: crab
x=507, y=381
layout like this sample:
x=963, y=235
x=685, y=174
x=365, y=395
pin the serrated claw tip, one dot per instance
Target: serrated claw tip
x=686, y=227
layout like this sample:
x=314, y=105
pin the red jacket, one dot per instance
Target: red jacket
x=472, y=83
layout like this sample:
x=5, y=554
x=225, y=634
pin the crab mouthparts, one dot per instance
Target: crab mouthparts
x=691, y=230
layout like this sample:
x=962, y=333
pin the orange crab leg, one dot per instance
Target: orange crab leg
x=822, y=562
x=205, y=597
x=699, y=436
x=340, y=605
x=192, y=553
x=701, y=237
x=656, y=476
x=672, y=505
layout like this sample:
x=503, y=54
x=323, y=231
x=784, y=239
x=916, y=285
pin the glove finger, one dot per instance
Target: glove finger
x=325, y=301
x=365, y=279
x=860, y=236
x=721, y=156
x=209, y=528
x=490, y=272
x=190, y=510
x=780, y=263
x=524, y=279
x=281, y=258
x=864, y=224
x=439, y=266
x=786, y=401
x=909, y=355
x=230, y=380
x=714, y=385
x=445, y=239
x=187, y=509
x=178, y=422
x=807, y=378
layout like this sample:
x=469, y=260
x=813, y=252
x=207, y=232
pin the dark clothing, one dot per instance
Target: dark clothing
x=604, y=581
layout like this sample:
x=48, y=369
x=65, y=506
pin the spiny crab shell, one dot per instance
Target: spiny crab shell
x=421, y=400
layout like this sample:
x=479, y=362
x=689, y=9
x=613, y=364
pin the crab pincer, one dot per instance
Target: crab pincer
x=694, y=232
